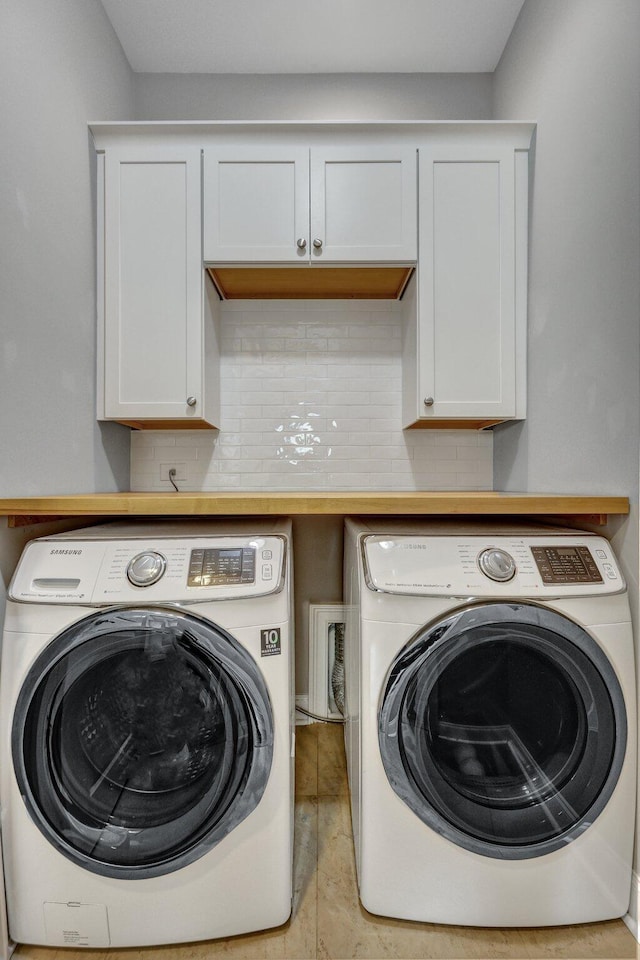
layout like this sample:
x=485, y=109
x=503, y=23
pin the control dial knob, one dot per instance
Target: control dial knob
x=146, y=568
x=497, y=564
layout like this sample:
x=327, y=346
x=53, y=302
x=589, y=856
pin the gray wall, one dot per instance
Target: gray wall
x=574, y=67
x=454, y=96
x=61, y=65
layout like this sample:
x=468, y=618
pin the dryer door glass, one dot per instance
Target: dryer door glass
x=503, y=727
x=141, y=738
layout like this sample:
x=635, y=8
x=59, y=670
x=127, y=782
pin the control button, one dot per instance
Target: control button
x=146, y=568
x=267, y=554
x=267, y=571
x=497, y=564
x=610, y=572
x=602, y=554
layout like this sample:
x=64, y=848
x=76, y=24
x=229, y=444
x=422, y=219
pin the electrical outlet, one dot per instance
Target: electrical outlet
x=180, y=471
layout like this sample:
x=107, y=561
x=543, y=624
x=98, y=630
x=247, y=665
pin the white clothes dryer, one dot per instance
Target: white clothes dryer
x=146, y=725
x=491, y=723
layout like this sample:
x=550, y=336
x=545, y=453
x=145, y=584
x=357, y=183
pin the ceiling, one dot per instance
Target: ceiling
x=313, y=36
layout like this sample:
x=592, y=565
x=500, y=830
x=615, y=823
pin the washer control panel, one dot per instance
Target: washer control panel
x=170, y=569
x=565, y=565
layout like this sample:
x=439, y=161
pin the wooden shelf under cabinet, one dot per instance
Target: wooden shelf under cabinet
x=310, y=282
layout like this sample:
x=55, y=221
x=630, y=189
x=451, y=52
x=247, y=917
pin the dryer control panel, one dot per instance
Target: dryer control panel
x=158, y=570
x=544, y=566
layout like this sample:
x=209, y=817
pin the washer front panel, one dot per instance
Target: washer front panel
x=451, y=566
x=503, y=728
x=194, y=569
x=141, y=737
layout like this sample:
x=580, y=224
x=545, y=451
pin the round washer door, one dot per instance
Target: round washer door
x=141, y=738
x=503, y=728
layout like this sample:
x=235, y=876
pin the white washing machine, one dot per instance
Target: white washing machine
x=146, y=723
x=491, y=723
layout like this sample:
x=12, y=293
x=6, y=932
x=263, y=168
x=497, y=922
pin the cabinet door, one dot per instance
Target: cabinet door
x=153, y=284
x=363, y=204
x=467, y=283
x=256, y=204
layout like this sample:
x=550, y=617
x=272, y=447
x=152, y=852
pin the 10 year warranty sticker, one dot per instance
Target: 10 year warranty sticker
x=270, y=642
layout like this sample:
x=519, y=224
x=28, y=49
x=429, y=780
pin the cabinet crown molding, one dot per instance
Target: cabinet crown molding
x=518, y=132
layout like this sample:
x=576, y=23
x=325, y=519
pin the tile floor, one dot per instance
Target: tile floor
x=329, y=924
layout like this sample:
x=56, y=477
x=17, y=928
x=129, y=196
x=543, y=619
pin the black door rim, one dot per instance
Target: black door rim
x=428, y=655
x=220, y=776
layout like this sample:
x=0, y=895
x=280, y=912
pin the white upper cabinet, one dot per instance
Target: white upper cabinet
x=156, y=340
x=295, y=205
x=256, y=204
x=364, y=204
x=469, y=346
x=433, y=215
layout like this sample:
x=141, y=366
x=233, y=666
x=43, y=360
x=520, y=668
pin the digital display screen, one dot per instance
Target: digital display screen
x=217, y=566
x=566, y=565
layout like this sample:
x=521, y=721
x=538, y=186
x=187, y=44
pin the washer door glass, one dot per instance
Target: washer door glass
x=141, y=738
x=503, y=728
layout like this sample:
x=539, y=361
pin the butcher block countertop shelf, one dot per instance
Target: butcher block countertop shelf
x=593, y=509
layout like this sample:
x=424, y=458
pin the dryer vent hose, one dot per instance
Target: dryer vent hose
x=337, y=674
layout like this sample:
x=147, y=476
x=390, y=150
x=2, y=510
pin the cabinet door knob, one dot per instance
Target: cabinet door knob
x=428, y=401
x=317, y=243
x=191, y=401
x=301, y=243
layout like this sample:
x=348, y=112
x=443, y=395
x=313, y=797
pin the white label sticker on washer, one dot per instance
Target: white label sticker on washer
x=76, y=924
x=270, y=642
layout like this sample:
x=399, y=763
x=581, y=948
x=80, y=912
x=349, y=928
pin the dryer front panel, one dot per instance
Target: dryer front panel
x=141, y=737
x=503, y=727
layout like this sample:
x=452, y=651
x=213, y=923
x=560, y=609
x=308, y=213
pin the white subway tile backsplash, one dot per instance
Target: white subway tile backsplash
x=157, y=439
x=311, y=400
x=192, y=438
x=467, y=453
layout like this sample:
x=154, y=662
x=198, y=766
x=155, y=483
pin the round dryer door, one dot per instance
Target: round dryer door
x=503, y=728
x=141, y=738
